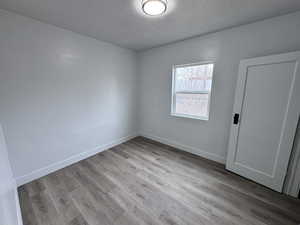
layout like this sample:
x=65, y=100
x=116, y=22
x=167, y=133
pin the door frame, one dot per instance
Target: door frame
x=289, y=126
x=292, y=183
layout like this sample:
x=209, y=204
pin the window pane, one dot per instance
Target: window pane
x=192, y=104
x=192, y=90
x=193, y=78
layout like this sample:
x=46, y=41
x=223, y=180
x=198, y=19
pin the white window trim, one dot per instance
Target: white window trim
x=173, y=113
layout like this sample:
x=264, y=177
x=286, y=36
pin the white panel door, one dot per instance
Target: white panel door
x=266, y=111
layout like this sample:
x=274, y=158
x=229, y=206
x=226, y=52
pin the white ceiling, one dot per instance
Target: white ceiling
x=121, y=22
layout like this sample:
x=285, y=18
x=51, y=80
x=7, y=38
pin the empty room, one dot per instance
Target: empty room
x=149, y=112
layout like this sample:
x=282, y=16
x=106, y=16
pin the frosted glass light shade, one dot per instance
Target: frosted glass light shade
x=154, y=7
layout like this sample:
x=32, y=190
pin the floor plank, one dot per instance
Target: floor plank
x=143, y=182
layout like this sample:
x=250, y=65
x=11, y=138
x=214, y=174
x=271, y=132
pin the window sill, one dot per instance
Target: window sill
x=190, y=117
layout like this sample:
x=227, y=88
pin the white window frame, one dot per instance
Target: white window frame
x=173, y=101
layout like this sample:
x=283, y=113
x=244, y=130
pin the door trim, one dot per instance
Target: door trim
x=292, y=183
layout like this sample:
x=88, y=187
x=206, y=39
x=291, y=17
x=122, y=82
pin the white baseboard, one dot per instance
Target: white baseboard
x=71, y=160
x=186, y=148
x=76, y=158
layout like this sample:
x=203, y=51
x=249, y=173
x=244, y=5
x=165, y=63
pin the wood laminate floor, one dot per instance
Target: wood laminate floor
x=142, y=182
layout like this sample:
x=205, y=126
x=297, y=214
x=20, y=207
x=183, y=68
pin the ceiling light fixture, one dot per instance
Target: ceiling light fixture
x=154, y=7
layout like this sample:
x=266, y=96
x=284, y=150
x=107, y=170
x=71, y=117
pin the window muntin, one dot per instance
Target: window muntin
x=191, y=90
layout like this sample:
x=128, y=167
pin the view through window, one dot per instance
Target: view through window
x=191, y=90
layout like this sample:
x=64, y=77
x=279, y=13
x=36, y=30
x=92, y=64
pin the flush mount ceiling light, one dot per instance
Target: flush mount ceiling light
x=154, y=7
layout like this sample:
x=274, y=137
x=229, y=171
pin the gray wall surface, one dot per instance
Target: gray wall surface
x=226, y=48
x=61, y=93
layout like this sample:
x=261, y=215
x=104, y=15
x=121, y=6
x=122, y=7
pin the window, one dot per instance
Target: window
x=191, y=88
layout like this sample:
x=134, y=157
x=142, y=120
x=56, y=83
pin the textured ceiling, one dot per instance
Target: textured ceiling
x=121, y=22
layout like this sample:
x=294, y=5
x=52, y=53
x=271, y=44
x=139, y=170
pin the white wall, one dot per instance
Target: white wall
x=9, y=203
x=226, y=48
x=61, y=94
